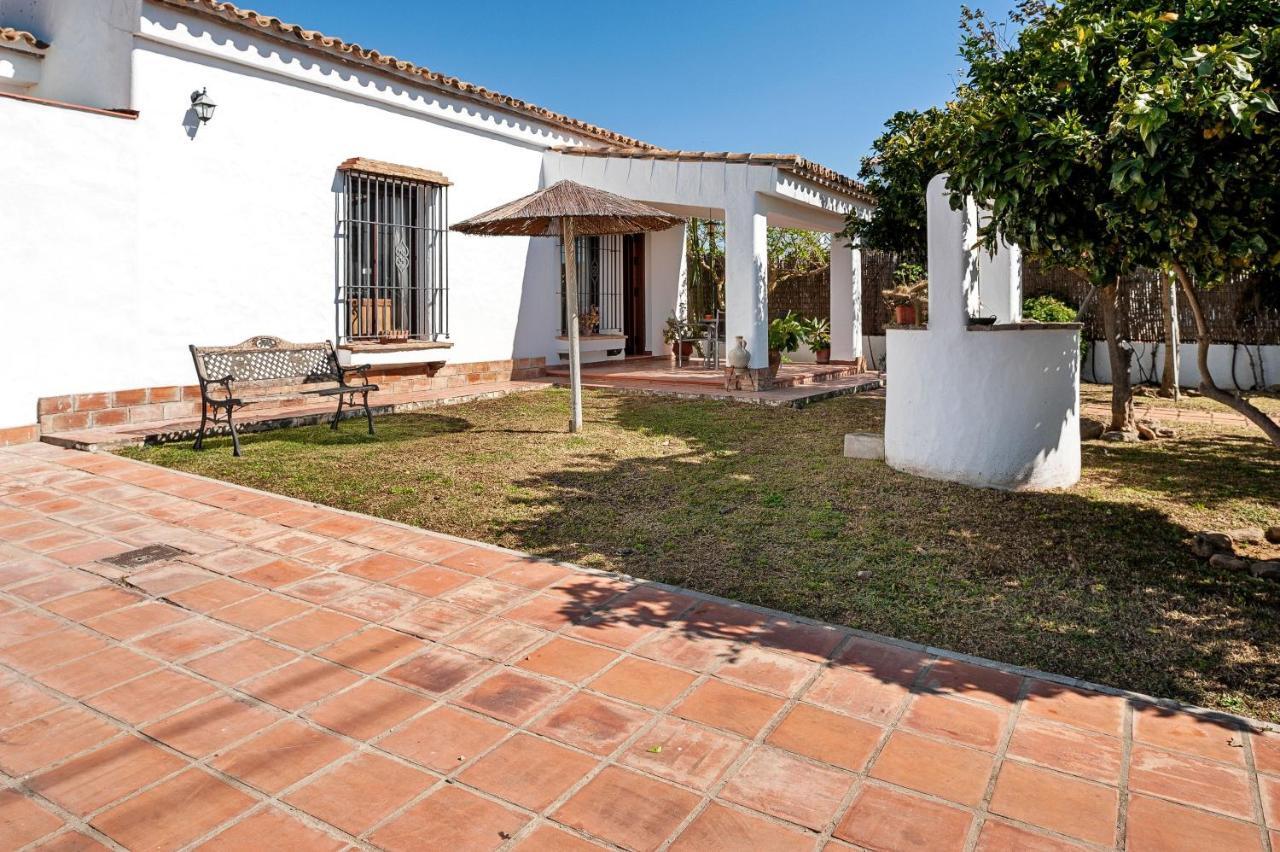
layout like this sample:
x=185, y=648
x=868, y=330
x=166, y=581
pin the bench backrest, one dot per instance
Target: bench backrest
x=267, y=359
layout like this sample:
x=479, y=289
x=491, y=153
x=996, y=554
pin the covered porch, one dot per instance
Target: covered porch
x=748, y=193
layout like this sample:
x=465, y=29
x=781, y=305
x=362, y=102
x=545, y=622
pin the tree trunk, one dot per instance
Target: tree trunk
x=1269, y=427
x=1120, y=355
x=571, y=308
x=1169, y=384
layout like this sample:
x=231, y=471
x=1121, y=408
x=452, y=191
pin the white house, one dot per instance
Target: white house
x=315, y=204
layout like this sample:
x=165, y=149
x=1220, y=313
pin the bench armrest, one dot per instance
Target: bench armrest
x=225, y=381
x=360, y=370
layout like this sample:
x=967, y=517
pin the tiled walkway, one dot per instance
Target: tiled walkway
x=305, y=678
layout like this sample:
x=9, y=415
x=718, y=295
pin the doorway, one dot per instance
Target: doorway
x=633, y=307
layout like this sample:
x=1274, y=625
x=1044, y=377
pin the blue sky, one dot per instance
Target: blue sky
x=805, y=77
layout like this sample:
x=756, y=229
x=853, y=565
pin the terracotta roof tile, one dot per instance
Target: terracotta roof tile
x=9, y=35
x=793, y=163
x=351, y=52
x=364, y=165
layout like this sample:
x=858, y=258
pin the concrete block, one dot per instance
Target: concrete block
x=864, y=445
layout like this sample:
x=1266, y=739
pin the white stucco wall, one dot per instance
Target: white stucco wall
x=992, y=408
x=130, y=239
x=1250, y=362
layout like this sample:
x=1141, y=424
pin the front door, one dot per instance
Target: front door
x=633, y=294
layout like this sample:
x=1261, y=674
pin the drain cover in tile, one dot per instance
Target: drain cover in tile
x=145, y=556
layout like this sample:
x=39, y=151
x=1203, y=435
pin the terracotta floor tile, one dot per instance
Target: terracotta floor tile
x=881, y=818
x=428, y=548
x=654, y=809
x=376, y=603
x=281, y=756
x=450, y=819
x=287, y=833
x=477, y=560
x=950, y=772
x=567, y=660
x=55, y=585
x=443, y=739
x=643, y=682
x=999, y=836
x=93, y=602
x=187, y=639
x=486, y=596
x=498, y=639
x=210, y=726
x=324, y=588
x=548, y=838
x=723, y=705
x=1078, y=707
x=1205, y=737
x=1266, y=751
x=372, y=650
x=100, y=777
x=260, y=611
x=52, y=649
x=240, y=661
x=858, y=693
x=368, y=709
x=212, y=595
x=341, y=526
x=530, y=573
x=768, y=670
x=512, y=697
x=20, y=702
x=358, y=794
x=19, y=626
x=593, y=724
x=778, y=783
x=300, y=683
x=90, y=551
x=1190, y=780
x=275, y=574
x=1270, y=789
x=548, y=612
x=1057, y=802
x=722, y=829
x=166, y=578
x=1066, y=749
x=438, y=670
x=290, y=542
x=23, y=821
x=1154, y=825
x=971, y=724
x=173, y=813
x=333, y=554
x=434, y=620
x=151, y=696
x=431, y=580
x=978, y=683
x=97, y=672
x=60, y=734
x=381, y=567
x=528, y=771
x=826, y=736
x=124, y=624
x=383, y=537
x=811, y=641
x=313, y=629
x=683, y=752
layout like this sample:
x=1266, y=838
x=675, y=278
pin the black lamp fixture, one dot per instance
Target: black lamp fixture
x=202, y=105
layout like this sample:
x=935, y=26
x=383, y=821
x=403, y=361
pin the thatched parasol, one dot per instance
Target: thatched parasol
x=569, y=210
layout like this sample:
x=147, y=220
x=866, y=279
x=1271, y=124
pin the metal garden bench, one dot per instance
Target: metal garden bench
x=268, y=369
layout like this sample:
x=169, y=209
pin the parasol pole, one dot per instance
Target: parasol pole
x=571, y=307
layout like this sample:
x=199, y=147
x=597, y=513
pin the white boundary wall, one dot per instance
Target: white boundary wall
x=1250, y=363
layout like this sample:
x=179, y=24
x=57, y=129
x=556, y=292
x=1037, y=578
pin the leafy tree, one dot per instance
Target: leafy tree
x=1116, y=133
x=905, y=158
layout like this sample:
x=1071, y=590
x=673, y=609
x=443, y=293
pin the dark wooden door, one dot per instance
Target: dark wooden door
x=633, y=294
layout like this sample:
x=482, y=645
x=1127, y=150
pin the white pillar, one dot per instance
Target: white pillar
x=1000, y=282
x=667, y=283
x=746, y=260
x=846, y=300
x=953, y=260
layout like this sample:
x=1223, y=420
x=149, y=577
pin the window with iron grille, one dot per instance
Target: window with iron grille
x=599, y=261
x=394, y=263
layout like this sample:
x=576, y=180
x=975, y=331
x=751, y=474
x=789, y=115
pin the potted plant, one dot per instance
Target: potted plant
x=785, y=334
x=678, y=333
x=817, y=336
x=911, y=286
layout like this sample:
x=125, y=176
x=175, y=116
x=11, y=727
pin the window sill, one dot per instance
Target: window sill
x=594, y=337
x=407, y=346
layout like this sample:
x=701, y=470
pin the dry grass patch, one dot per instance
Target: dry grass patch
x=759, y=505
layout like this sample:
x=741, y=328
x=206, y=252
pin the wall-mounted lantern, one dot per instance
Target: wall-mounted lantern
x=202, y=105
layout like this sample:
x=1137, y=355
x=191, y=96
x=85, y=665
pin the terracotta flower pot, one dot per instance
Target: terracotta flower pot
x=775, y=362
x=904, y=314
x=822, y=356
x=685, y=347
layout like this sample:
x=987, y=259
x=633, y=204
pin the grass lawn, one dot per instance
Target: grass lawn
x=758, y=504
x=1145, y=397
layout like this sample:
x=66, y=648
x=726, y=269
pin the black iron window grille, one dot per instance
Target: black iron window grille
x=393, y=243
x=599, y=285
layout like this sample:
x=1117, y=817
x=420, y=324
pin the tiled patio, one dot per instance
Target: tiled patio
x=796, y=385
x=311, y=679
